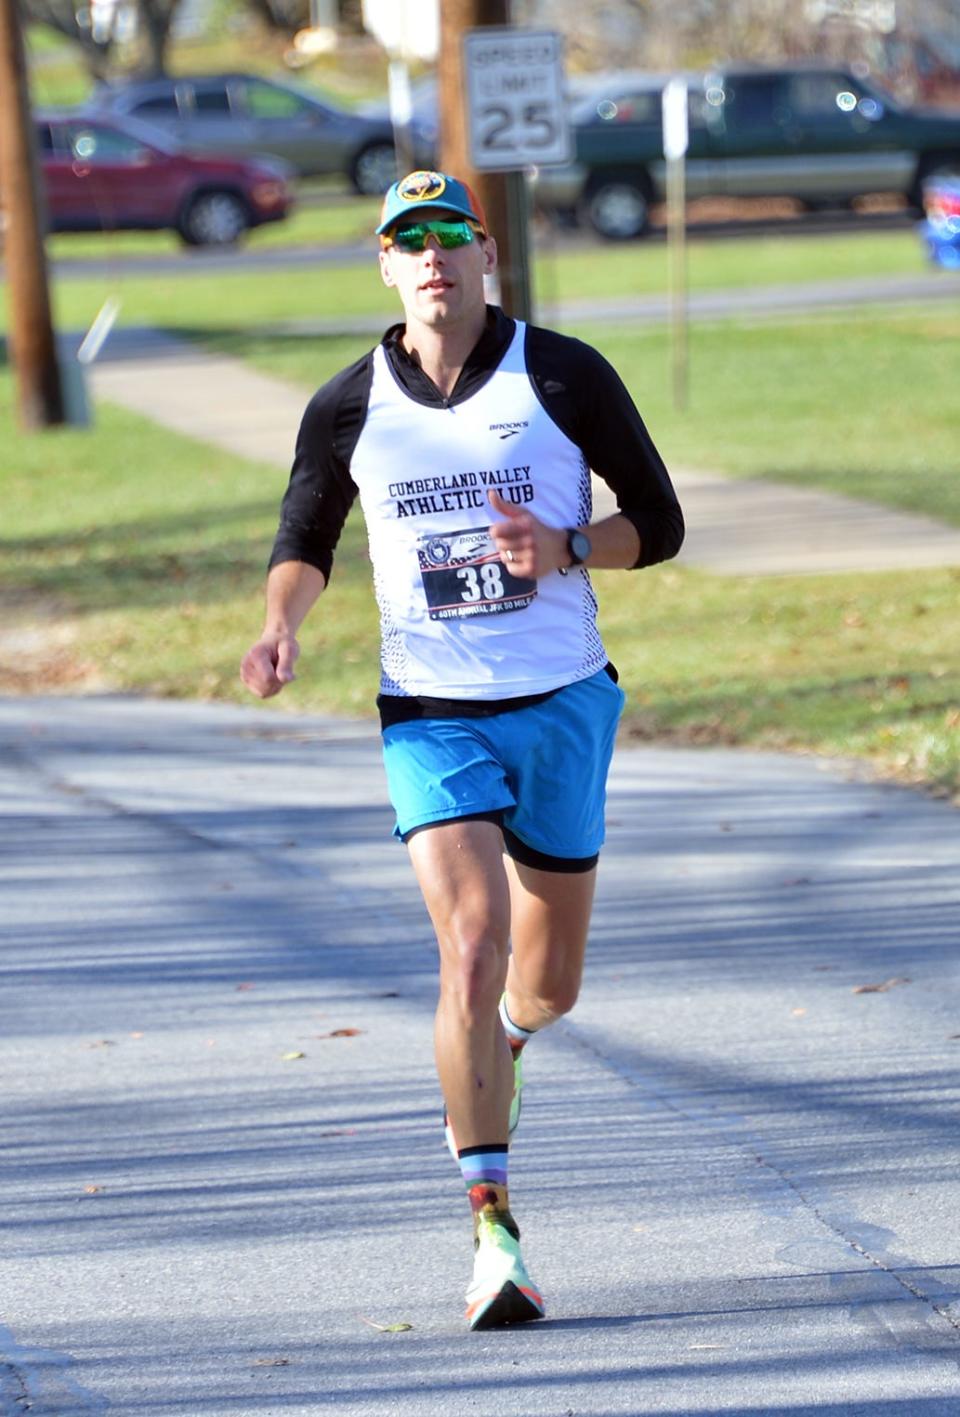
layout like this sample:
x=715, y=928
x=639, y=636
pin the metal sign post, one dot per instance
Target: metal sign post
x=517, y=118
x=676, y=138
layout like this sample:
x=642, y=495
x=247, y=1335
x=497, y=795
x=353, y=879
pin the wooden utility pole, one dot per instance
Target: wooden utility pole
x=503, y=195
x=32, y=342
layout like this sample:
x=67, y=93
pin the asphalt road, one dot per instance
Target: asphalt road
x=221, y=1165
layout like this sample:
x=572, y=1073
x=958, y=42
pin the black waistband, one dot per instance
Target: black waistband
x=401, y=708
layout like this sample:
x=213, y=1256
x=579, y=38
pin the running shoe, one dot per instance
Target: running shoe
x=515, y=1104
x=501, y=1291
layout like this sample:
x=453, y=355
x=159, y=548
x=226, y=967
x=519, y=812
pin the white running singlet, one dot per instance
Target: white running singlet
x=455, y=622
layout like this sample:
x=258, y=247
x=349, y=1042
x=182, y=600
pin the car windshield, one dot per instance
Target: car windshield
x=312, y=95
x=129, y=130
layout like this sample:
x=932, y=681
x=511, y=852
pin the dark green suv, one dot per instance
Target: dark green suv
x=815, y=133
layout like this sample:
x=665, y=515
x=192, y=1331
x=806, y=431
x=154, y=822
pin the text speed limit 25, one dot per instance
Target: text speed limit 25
x=516, y=112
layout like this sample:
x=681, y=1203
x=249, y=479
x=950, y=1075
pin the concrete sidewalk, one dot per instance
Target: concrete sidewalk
x=221, y=1164
x=735, y=526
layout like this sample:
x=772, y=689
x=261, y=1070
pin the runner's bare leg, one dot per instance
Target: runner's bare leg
x=459, y=867
x=550, y=914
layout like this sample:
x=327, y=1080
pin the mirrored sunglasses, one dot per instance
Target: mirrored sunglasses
x=449, y=235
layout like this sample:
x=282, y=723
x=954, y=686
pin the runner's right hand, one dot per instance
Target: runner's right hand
x=268, y=665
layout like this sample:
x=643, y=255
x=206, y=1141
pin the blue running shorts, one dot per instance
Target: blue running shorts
x=540, y=770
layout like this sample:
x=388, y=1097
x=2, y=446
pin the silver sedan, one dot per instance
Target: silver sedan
x=245, y=114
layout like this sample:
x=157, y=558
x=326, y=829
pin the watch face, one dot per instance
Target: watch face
x=580, y=547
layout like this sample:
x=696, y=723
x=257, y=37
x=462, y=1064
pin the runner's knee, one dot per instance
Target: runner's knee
x=554, y=1001
x=472, y=973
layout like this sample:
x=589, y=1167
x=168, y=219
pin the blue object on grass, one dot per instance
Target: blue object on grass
x=941, y=230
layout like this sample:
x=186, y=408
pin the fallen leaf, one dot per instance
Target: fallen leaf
x=340, y=1033
x=91, y=1190
x=879, y=988
x=292, y=1057
x=271, y=1362
x=385, y=1328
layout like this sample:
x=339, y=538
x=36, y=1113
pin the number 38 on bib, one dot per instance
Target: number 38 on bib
x=463, y=575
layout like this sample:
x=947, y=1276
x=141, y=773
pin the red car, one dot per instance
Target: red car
x=110, y=174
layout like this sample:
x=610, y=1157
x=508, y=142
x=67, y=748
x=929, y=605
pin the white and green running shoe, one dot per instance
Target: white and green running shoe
x=515, y=1104
x=501, y=1291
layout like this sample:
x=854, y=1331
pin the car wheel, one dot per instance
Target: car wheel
x=374, y=169
x=214, y=219
x=618, y=208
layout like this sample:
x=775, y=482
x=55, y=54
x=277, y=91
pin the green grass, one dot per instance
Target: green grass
x=241, y=300
x=862, y=404
x=564, y=274
x=864, y=666
x=150, y=549
x=187, y=297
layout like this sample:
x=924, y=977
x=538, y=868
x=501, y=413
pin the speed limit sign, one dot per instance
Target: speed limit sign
x=516, y=112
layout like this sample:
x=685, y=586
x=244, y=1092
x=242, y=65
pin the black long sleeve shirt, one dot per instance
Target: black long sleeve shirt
x=581, y=392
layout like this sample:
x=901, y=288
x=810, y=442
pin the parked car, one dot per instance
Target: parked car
x=815, y=133
x=246, y=114
x=106, y=174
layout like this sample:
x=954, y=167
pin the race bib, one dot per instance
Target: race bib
x=463, y=575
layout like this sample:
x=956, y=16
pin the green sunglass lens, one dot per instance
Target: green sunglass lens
x=450, y=235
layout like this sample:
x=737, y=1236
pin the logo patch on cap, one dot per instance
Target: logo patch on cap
x=422, y=187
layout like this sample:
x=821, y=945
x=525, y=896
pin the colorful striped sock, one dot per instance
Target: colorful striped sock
x=483, y=1165
x=517, y=1037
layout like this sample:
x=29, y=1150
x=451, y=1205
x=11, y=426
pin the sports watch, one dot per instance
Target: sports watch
x=579, y=547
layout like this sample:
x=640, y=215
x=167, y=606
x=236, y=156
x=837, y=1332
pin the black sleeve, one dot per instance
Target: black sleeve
x=321, y=491
x=587, y=399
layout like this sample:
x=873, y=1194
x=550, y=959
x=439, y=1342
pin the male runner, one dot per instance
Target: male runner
x=470, y=438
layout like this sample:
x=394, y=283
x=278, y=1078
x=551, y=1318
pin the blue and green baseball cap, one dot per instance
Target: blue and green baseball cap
x=428, y=189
